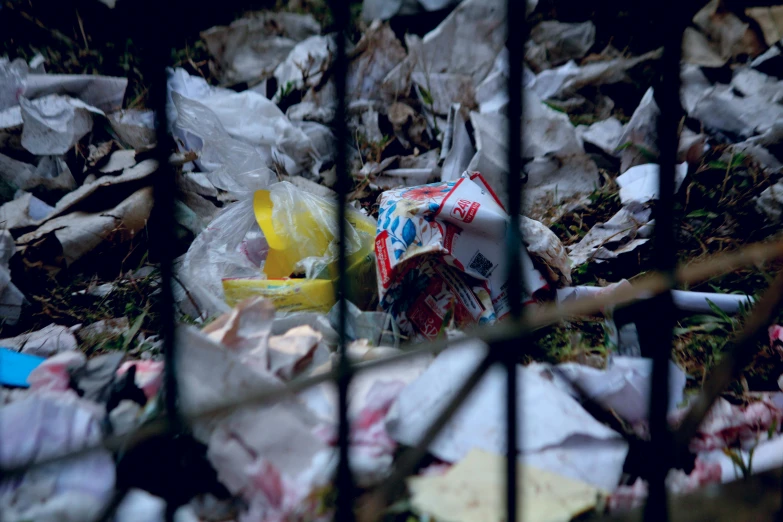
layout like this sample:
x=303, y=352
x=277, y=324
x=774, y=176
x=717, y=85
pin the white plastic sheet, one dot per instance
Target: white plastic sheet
x=239, y=135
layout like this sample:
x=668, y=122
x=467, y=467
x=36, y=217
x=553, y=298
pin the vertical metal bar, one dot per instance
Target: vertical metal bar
x=157, y=44
x=657, y=335
x=344, y=479
x=515, y=39
x=157, y=52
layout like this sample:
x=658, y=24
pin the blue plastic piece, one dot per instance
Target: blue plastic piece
x=15, y=367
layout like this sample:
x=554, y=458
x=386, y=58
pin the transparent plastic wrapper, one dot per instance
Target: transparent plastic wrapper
x=440, y=254
x=280, y=244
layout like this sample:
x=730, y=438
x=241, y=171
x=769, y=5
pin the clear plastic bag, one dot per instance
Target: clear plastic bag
x=280, y=243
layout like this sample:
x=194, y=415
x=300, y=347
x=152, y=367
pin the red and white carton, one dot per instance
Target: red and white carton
x=441, y=253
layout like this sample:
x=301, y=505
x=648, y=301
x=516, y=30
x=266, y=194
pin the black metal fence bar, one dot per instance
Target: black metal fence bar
x=344, y=480
x=656, y=330
x=515, y=44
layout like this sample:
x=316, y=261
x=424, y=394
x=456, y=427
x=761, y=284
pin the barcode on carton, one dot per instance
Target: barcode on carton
x=481, y=265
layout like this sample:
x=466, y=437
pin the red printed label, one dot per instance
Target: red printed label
x=448, y=238
x=382, y=258
x=424, y=316
x=465, y=210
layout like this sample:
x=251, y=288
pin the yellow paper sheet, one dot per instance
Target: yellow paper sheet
x=473, y=490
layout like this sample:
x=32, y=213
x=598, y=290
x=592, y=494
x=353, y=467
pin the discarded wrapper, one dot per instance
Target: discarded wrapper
x=300, y=230
x=440, y=252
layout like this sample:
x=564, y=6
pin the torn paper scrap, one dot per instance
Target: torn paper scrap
x=721, y=110
x=729, y=425
x=94, y=192
x=66, y=239
x=560, y=169
x=305, y=64
x=473, y=491
x=640, y=183
x=46, y=342
x=54, y=373
x=68, y=490
x=770, y=202
x=250, y=48
x=253, y=444
x=693, y=86
x=385, y=9
x=11, y=298
x=135, y=128
x=625, y=231
x=567, y=79
x=444, y=49
x=557, y=433
x=24, y=211
x=53, y=124
x=375, y=55
x=750, y=82
x=547, y=252
x=50, y=175
x=638, y=142
x=140, y=506
x=457, y=149
x=604, y=134
x=105, y=93
x=624, y=386
x=718, y=36
x=771, y=21
x=254, y=45
x=554, y=43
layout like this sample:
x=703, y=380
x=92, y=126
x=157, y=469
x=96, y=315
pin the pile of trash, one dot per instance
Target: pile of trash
x=426, y=244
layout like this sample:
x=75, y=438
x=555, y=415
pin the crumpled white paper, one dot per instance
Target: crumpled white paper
x=53, y=124
x=11, y=298
x=557, y=434
x=44, y=425
x=640, y=183
x=624, y=385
